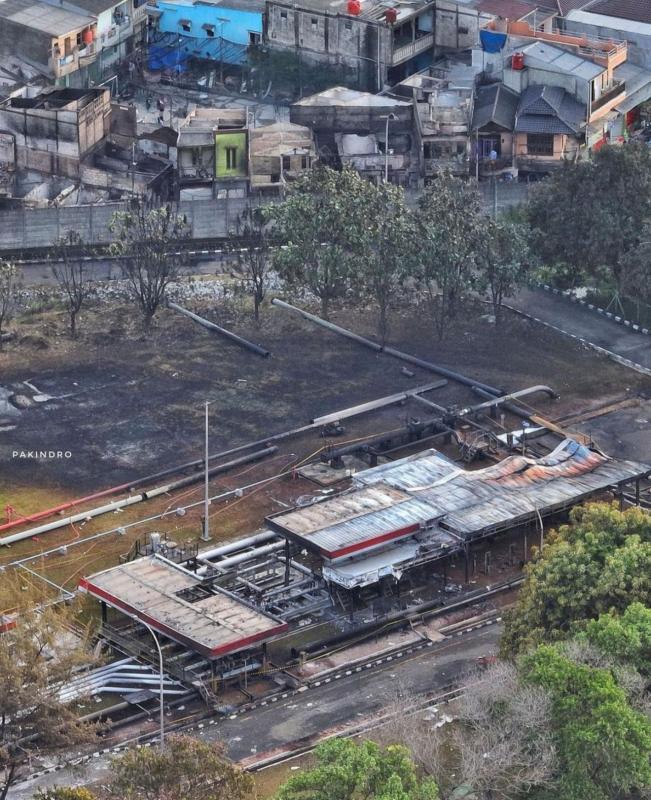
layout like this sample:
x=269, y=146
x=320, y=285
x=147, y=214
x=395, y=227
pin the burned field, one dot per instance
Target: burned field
x=120, y=406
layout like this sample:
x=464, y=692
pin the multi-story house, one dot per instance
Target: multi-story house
x=382, y=43
x=56, y=40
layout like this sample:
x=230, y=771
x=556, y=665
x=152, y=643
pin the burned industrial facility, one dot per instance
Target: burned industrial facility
x=339, y=559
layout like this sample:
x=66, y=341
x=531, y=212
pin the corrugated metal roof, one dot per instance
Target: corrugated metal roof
x=43, y=17
x=561, y=60
x=152, y=589
x=428, y=492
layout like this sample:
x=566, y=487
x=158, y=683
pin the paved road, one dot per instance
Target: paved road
x=337, y=704
x=585, y=324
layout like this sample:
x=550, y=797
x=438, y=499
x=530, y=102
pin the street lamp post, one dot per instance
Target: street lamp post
x=161, y=701
x=205, y=534
x=389, y=118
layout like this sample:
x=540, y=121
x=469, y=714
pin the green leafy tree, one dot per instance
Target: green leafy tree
x=603, y=745
x=65, y=793
x=505, y=261
x=389, y=249
x=70, y=271
x=626, y=637
x=450, y=229
x=321, y=223
x=186, y=769
x=589, y=215
x=600, y=561
x=9, y=288
x=151, y=244
x=346, y=770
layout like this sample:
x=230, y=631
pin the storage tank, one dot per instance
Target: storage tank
x=517, y=61
x=354, y=8
x=391, y=15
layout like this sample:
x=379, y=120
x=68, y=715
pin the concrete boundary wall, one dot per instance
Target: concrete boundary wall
x=208, y=219
x=40, y=227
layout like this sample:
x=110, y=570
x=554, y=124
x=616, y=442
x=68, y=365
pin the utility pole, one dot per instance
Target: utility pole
x=205, y=534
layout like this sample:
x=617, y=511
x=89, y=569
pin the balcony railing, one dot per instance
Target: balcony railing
x=412, y=49
x=618, y=88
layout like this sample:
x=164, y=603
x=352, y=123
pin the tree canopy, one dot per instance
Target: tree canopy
x=346, y=770
x=37, y=656
x=186, y=769
x=588, y=216
x=450, y=230
x=600, y=561
x=602, y=743
x=319, y=225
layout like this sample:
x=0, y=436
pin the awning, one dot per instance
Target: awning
x=184, y=22
x=634, y=100
x=207, y=26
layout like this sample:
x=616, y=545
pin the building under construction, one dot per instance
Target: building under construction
x=400, y=523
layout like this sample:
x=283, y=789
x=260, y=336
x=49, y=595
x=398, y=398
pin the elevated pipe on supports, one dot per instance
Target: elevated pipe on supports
x=498, y=401
x=138, y=498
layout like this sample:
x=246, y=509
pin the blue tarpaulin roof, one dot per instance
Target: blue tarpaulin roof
x=172, y=51
x=491, y=41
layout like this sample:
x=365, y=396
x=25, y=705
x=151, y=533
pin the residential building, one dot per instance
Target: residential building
x=372, y=133
x=55, y=130
x=120, y=26
x=56, y=40
x=382, y=43
x=279, y=153
x=443, y=97
x=185, y=29
x=621, y=19
x=493, y=124
x=212, y=147
x=549, y=128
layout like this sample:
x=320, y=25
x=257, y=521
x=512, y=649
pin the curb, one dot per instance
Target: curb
x=597, y=309
x=625, y=362
x=343, y=673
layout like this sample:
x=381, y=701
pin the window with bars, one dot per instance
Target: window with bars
x=540, y=144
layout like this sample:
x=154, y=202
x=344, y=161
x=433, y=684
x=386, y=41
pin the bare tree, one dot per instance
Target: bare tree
x=151, y=244
x=499, y=745
x=504, y=738
x=71, y=273
x=37, y=656
x=9, y=286
x=253, y=253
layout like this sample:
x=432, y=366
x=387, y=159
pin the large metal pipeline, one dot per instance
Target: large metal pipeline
x=254, y=348
x=498, y=401
x=512, y=407
x=329, y=325
x=380, y=403
x=390, y=351
x=138, y=498
x=241, y=557
x=230, y=547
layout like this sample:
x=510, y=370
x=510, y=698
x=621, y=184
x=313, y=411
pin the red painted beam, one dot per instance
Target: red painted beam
x=230, y=647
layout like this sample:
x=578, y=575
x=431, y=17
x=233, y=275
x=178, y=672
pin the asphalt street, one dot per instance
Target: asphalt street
x=333, y=706
x=584, y=324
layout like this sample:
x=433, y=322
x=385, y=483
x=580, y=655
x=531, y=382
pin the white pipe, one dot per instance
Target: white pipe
x=238, y=559
x=380, y=403
x=84, y=515
x=231, y=547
